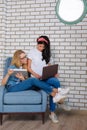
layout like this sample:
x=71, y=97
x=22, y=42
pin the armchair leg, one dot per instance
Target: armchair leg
x=43, y=117
x=1, y=118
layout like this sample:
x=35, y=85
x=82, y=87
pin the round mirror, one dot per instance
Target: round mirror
x=71, y=11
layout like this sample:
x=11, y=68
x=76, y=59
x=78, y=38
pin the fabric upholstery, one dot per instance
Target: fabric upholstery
x=24, y=97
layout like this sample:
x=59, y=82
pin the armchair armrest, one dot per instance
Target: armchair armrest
x=2, y=92
x=44, y=100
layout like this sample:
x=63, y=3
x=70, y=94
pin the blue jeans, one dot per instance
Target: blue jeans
x=55, y=83
x=29, y=84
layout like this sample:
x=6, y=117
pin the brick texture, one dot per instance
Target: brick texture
x=22, y=21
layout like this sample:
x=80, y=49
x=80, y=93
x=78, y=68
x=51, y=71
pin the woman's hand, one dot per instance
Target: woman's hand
x=5, y=79
x=20, y=76
x=37, y=76
x=10, y=72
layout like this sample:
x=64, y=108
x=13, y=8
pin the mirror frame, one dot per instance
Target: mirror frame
x=75, y=21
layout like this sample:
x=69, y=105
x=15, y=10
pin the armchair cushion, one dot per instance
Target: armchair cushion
x=23, y=97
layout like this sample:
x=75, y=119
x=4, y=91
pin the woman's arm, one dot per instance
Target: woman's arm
x=5, y=79
x=31, y=71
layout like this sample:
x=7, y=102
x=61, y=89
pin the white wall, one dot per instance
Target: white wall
x=22, y=21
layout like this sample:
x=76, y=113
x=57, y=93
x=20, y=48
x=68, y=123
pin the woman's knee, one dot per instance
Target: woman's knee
x=54, y=81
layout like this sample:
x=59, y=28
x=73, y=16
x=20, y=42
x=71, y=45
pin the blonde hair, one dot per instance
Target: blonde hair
x=16, y=58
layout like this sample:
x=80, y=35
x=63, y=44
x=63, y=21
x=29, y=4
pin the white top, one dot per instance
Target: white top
x=37, y=64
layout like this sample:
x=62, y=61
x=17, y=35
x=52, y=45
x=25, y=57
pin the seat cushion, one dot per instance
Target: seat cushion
x=23, y=97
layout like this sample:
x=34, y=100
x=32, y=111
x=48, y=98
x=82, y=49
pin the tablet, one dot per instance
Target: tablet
x=23, y=71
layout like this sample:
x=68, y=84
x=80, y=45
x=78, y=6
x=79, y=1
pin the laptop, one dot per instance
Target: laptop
x=49, y=71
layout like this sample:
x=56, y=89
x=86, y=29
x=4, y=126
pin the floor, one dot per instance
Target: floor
x=73, y=120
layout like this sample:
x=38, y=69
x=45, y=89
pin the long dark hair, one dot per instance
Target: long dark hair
x=46, y=54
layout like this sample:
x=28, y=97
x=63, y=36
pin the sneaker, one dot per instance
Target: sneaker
x=64, y=107
x=53, y=118
x=59, y=98
x=63, y=91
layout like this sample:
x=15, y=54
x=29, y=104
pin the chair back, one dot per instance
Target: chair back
x=7, y=63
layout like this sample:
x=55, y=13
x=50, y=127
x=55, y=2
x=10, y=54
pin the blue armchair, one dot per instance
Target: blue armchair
x=29, y=101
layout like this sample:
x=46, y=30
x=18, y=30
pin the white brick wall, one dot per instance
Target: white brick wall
x=22, y=21
x=2, y=34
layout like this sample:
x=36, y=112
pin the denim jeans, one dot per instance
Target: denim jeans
x=29, y=84
x=55, y=83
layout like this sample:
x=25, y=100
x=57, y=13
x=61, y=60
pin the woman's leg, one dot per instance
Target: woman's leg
x=29, y=83
x=52, y=114
x=23, y=85
x=52, y=104
x=43, y=85
x=54, y=82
